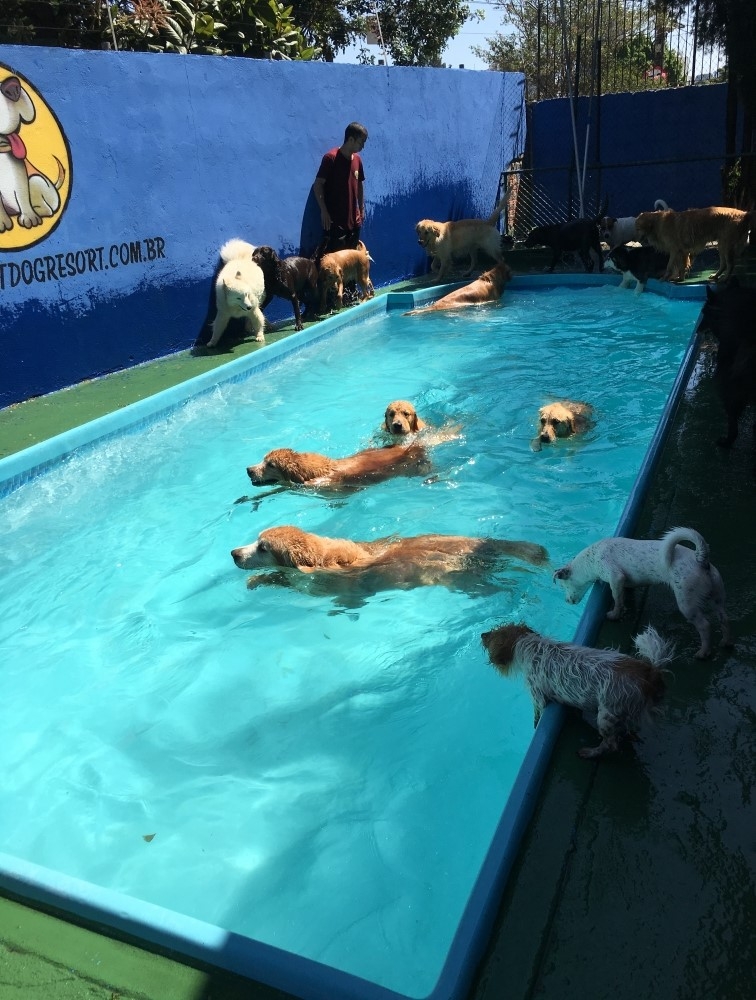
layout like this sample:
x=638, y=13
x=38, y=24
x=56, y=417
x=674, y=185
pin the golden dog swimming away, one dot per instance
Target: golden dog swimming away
x=345, y=567
x=562, y=419
x=443, y=241
x=489, y=287
x=683, y=235
x=286, y=467
x=339, y=268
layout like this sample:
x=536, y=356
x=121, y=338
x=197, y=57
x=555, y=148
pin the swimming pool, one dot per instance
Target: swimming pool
x=276, y=782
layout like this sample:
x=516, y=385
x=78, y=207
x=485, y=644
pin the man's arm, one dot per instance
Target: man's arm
x=361, y=202
x=318, y=188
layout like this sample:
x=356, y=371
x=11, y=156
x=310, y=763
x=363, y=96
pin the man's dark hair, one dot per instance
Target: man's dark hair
x=355, y=131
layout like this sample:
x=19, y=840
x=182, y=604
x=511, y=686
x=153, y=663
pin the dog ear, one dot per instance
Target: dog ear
x=563, y=573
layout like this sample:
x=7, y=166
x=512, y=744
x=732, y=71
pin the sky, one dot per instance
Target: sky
x=458, y=51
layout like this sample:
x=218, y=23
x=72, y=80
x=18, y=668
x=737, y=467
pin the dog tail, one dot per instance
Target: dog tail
x=677, y=535
x=235, y=250
x=493, y=218
x=527, y=551
x=660, y=206
x=652, y=647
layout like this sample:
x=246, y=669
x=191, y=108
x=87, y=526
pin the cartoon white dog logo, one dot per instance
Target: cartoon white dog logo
x=25, y=192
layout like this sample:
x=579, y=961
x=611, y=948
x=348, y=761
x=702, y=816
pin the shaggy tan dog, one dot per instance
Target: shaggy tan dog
x=401, y=418
x=683, y=235
x=239, y=291
x=487, y=288
x=443, y=241
x=562, y=419
x=390, y=563
x=283, y=466
x=339, y=268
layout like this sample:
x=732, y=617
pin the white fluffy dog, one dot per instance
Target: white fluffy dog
x=619, y=690
x=622, y=562
x=239, y=290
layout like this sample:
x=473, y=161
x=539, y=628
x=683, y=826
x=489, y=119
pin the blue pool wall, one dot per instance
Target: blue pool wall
x=195, y=150
x=667, y=144
x=264, y=963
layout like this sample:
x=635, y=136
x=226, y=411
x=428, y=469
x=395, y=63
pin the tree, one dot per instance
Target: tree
x=732, y=24
x=634, y=53
x=416, y=32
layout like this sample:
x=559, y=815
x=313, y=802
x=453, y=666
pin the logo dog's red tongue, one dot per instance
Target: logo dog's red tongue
x=18, y=149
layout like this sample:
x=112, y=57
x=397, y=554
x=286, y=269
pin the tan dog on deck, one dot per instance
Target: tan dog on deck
x=443, y=241
x=342, y=566
x=285, y=467
x=683, y=235
x=489, y=287
x=562, y=419
x=339, y=268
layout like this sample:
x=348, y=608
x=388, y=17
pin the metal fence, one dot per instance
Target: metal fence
x=610, y=46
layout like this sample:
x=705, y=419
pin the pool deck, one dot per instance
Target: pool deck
x=637, y=877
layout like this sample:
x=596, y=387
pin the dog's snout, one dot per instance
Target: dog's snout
x=236, y=555
x=397, y=427
x=11, y=88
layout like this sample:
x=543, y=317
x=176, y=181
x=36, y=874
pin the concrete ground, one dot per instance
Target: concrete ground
x=637, y=877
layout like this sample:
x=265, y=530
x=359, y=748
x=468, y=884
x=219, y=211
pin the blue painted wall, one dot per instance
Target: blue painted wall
x=173, y=155
x=634, y=137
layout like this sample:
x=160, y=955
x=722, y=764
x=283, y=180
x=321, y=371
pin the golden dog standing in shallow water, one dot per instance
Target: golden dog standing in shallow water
x=683, y=235
x=489, y=287
x=339, y=268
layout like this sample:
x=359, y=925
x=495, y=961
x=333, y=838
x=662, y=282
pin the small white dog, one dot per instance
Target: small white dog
x=619, y=690
x=239, y=291
x=622, y=562
x=616, y=232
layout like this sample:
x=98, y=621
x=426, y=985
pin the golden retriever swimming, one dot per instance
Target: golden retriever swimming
x=443, y=241
x=489, y=287
x=286, y=467
x=339, y=268
x=401, y=418
x=342, y=566
x=562, y=419
x=683, y=235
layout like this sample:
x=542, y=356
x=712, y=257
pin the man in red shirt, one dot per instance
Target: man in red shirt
x=339, y=191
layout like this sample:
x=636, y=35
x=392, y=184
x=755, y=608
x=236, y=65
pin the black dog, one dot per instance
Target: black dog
x=640, y=263
x=291, y=278
x=730, y=314
x=581, y=235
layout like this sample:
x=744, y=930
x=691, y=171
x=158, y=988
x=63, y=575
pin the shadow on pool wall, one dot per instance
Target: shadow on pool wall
x=164, y=159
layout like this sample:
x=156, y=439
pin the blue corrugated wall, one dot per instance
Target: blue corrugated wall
x=172, y=155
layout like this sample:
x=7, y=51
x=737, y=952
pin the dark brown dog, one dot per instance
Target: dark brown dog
x=292, y=278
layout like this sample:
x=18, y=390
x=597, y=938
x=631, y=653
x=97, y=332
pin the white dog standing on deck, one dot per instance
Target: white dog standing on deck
x=239, y=290
x=622, y=562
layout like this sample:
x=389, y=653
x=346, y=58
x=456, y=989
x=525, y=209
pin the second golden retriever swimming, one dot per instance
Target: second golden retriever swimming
x=286, y=467
x=391, y=563
x=401, y=418
x=562, y=419
x=487, y=288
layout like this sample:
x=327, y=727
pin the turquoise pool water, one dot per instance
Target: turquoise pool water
x=319, y=777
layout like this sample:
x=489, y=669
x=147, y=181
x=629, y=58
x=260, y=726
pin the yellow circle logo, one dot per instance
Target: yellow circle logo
x=35, y=164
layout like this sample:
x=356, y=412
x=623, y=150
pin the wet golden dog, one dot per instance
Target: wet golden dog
x=487, y=288
x=339, y=268
x=443, y=241
x=342, y=566
x=286, y=467
x=683, y=235
x=562, y=419
x=401, y=418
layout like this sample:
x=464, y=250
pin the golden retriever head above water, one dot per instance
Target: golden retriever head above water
x=562, y=419
x=401, y=418
x=284, y=466
x=443, y=241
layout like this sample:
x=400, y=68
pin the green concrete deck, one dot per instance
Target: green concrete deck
x=637, y=878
